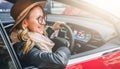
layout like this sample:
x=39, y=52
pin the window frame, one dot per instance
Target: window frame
x=9, y=47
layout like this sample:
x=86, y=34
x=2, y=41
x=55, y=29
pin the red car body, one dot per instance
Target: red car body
x=110, y=61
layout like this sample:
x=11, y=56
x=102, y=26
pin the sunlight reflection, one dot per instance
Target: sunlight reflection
x=113, y=6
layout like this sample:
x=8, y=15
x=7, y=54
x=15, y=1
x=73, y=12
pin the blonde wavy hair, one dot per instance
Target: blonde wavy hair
x=22, y=35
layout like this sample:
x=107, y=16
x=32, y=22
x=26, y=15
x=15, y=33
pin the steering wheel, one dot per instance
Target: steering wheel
x=68, y=35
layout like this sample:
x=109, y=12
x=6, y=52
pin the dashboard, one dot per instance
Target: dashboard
x=86, y=36
x=82, y=35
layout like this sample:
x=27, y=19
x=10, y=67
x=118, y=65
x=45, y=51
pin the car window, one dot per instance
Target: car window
x=5, y=59
x=64, y=9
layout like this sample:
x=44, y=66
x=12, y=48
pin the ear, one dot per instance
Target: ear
x=25, y=23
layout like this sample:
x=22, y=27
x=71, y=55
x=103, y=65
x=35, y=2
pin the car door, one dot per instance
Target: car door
x=8, y=58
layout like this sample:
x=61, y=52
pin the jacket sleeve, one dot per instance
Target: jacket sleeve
x=57, y=59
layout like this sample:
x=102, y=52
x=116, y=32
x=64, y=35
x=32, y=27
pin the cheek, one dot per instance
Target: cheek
x=35, y=27
x=32, y=25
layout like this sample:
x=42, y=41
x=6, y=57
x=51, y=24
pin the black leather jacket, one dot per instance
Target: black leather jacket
x=35, y=57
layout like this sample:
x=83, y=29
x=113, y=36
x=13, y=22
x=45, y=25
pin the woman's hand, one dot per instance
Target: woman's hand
x=57, y=25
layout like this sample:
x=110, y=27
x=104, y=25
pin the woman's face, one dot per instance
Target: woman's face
x=36, y=22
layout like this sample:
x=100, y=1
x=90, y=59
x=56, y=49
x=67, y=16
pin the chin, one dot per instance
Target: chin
x=40, y=32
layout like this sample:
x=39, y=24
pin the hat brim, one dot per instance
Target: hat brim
x=25, y=12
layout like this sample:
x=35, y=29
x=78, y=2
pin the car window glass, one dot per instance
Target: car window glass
x=5, y=59
x=64, y=9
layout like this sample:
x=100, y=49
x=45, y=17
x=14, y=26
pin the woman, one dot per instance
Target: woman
x=31, y=43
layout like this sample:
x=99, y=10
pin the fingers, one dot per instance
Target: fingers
x=57, y=25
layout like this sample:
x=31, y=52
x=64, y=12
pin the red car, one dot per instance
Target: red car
x=92, y=30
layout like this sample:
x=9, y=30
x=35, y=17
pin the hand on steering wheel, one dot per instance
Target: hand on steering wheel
x=62, y=25
x=57, y=25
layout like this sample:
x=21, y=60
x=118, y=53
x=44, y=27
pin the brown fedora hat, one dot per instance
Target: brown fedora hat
x=21, y=8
